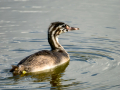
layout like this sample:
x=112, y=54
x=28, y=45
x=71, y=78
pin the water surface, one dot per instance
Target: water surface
x=94, y=49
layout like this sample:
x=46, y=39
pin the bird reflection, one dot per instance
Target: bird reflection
x=56, y=81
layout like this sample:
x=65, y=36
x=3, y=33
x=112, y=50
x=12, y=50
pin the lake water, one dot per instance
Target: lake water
x=94, y=49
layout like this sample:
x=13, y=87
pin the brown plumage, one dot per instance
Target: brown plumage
x=45, y=59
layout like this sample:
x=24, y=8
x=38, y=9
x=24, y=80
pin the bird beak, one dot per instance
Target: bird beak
x=71, y=28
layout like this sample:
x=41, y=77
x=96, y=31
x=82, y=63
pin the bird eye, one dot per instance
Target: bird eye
x=63, y=25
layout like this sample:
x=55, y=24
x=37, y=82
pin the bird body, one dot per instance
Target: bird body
x=46, y=59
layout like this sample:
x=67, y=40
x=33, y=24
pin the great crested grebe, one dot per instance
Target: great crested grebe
x=45, y=59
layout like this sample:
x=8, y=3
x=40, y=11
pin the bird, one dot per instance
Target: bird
x=46, y=59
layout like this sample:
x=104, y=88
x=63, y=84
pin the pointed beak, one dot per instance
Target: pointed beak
x=71, y=28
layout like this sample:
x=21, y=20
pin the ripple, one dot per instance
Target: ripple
x=30, y=11
x=24, y=32
x=84, y=72
x=83, y=56
x=27, y=40
x=33, y=11
x=23, y=50
x=95, y=74
x=111, y=27
x=38, y=6
x=22, y=0
x=5, y=7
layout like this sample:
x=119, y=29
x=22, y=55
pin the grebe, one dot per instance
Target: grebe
x=45, y=59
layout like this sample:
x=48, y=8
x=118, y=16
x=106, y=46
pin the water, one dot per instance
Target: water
x=94, y=49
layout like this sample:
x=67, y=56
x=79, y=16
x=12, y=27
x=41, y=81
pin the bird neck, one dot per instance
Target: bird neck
x=53, y=41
